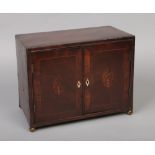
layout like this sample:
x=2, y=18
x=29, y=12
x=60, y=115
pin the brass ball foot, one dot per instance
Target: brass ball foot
x=32, y=129
x=129, y=112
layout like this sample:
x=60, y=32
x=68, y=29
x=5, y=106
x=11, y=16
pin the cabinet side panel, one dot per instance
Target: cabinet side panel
x=22, y=79
x=132, y=73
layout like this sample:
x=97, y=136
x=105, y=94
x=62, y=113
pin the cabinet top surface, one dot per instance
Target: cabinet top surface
x=42, y=39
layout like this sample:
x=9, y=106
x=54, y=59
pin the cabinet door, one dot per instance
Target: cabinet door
x=57, y=84
x=106, y=77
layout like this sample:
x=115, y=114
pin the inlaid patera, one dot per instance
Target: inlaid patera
x=57, y=87
x=107, y=77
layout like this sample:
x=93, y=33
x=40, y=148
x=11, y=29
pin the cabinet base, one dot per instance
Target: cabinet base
x=84, y=117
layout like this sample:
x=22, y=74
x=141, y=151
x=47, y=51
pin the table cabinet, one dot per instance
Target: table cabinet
x=74, y=74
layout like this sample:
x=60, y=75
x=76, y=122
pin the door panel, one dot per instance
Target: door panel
x=56, y=95
x=107, y=72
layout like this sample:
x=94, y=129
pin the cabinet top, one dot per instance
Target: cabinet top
x=42, y=39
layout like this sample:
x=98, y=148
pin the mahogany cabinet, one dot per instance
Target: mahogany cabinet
x=74, y=74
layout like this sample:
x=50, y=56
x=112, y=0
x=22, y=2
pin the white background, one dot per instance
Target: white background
x=139, y=126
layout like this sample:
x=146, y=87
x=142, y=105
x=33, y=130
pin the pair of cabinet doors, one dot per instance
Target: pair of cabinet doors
x=74, y=81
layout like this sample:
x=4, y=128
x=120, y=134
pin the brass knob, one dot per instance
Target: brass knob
x=78, y=84
x=130, y=112
x=32, y=129
x=87, y=82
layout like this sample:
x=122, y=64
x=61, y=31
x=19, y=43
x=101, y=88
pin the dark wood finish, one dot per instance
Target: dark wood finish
x=23, y=79
x=107, y=67
x=75, y=74
x=74, y=36
x=55, y=79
